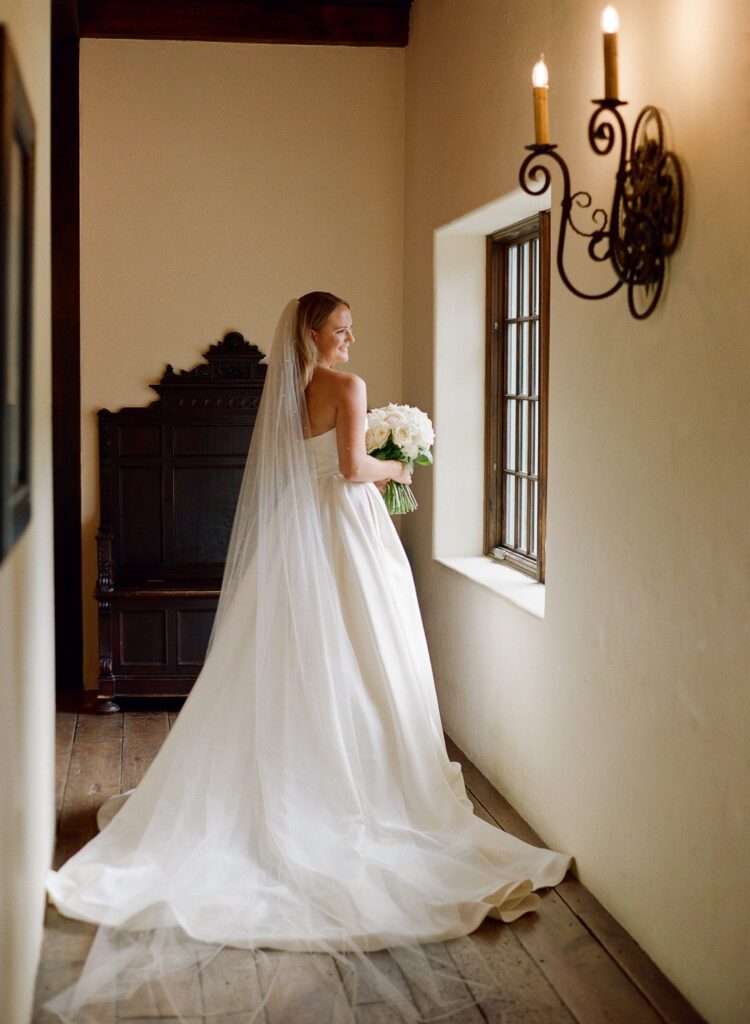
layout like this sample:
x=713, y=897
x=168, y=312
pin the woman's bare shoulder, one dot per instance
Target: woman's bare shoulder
x=338, y=382
x=351, y=384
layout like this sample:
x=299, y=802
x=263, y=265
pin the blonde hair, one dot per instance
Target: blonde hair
x=312, y=313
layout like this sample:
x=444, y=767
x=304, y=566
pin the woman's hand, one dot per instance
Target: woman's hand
x=401, y=476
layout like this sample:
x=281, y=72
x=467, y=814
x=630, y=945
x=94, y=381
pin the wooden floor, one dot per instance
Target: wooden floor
x=570, y=961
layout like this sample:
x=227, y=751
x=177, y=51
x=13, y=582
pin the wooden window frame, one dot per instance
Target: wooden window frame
x=495, y=376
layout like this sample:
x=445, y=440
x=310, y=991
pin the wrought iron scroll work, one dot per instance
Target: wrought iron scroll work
x=645, y=218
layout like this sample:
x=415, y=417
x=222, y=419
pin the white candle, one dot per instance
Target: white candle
x=540, y=81
x=610, y=26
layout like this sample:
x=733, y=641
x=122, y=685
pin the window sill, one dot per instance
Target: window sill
x=508, y=583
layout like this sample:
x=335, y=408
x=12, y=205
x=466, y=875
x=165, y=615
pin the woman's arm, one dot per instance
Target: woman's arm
x=354, y=462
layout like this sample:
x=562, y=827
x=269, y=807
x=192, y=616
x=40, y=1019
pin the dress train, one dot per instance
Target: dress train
x=304, y=800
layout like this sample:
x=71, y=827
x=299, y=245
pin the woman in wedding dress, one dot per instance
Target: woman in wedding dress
x=304, y=801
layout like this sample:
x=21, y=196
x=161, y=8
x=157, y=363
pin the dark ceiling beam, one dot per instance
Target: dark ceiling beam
x=336, y=22
x=65, y=19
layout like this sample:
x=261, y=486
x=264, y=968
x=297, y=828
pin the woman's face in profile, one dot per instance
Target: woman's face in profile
x=335, y=336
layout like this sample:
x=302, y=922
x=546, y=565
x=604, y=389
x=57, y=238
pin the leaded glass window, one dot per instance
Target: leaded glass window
x=517, y=350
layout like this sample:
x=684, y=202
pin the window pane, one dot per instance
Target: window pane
x=511, y=256
x=535, y=273
x=509, y=519
x=524, y=467
x=532, y=356
x=510, y=434
x=534, y=517
x=524, y=357
x=524, y=271
x=522, y=506
x=535, y=336
x=510, y=359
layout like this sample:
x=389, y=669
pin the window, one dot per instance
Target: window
x=516, y=406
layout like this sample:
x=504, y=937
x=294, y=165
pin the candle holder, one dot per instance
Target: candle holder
x=644, y=222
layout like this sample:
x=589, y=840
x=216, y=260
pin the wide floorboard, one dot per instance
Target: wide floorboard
x=568, y=962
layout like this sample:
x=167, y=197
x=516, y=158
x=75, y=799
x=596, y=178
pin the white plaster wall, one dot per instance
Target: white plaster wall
x=218, y=180
x=27, y=700
x=618, y=722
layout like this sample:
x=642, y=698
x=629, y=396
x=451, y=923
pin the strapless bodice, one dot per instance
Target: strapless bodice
x=325, y=453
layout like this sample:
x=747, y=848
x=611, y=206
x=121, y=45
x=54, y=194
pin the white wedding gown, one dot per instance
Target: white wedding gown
x=299, y=806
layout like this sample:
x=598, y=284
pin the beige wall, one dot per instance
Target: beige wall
x=618, y=721
x=26, y=600
x=218, y=180
x=613, y=713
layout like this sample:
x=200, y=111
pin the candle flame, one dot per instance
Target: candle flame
x=540, y=75
x=610, y=20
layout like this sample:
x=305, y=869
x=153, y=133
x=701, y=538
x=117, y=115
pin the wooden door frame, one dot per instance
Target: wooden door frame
x=338, y=22
x=66, y=347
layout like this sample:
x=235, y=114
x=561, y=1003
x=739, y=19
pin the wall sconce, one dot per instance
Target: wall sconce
x=643, y=225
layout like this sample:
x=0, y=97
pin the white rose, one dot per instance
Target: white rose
x=377, y=436
x=402, y=435
x=423, y=431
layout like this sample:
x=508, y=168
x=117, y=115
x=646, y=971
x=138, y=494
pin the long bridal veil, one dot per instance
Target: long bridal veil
x=264, y=869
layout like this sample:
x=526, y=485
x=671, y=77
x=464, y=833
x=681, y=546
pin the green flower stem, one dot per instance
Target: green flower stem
x=399, y=498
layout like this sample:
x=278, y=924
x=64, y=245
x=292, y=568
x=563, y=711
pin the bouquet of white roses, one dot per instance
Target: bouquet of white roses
x=405, y=433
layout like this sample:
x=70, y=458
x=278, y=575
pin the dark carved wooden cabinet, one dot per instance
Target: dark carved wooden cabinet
x=169, y=477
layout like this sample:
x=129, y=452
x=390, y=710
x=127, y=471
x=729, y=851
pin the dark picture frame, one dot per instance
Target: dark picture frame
x=17, y=139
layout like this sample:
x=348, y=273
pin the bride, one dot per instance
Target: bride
x=304, y=801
